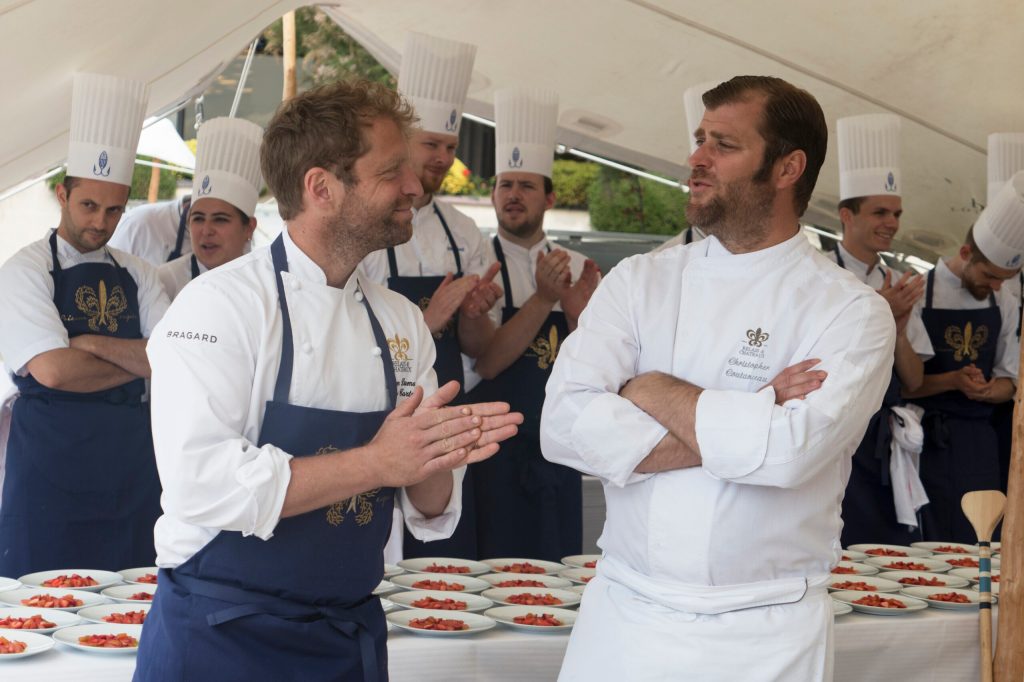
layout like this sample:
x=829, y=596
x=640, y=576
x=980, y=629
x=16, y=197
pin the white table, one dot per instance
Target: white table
x=929, y=646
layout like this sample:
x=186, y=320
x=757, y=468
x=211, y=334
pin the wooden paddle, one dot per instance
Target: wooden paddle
x=984, y=509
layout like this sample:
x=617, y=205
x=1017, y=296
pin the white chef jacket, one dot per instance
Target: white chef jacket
x=760, y=517
x=950, y=294
x=916, y=333
x=680, y=238
x=522, y=271
x=215, y=358
x=177, y=273
x=150, y=231
x=32, y=325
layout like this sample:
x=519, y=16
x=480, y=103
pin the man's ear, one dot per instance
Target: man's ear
x=791, y=168
x=320, y=187
x=62, y=194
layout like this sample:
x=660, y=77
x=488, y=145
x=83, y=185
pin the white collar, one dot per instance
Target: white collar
x=304, y=268
x=948, y=277
x=68, y=252
x=716, y=251
x=520, y=252
x=850, y=258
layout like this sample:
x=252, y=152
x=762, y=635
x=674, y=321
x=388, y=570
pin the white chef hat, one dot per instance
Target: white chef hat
x=525, y=122
x=106, y=121
x=1005, y=157
x=693, y=102
x=228, y=163
x=434, y=77
x=869, y=156
x=999, y=230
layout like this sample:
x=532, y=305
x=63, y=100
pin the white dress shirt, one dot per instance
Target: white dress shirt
x=31, y=323
x=215, y=358
x=873, y=276
x=177, y=273
x=150, y=231
x=760, y=517
x=950, y=294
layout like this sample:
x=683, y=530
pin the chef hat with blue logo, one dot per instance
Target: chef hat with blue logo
x=106, y=122
x=228, y=163
x=999, y=230
x=693, y=103
x=434, y=78
x=869, y=156
x=1005, y=157
x=525, y=122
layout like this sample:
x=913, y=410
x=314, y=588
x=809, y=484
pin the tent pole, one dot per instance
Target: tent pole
x=242, y=79
x=288, y=47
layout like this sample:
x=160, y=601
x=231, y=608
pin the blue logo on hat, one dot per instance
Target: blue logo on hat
x=205, y=188
x=890, y=183
x=516, y=161
x=453, y=122
x=1015, y=261
x=103, y=171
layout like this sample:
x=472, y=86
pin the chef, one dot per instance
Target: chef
x=723, y=486
x=157, y=233
x=224, y=190
x=290, y=417
x=81, y=487
x=870, y=207
x=972, y=324
x=528, y=507
x=439, y=269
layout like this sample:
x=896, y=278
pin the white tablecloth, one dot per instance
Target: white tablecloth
x=929, y=646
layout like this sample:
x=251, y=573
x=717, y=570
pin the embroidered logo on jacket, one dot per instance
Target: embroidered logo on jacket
x=967, y=341
x=545, y=350
x=102, y=310
x=757, y=338
x=400, y=353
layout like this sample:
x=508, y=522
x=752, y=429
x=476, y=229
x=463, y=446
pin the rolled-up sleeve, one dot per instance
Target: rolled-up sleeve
x=585, y=424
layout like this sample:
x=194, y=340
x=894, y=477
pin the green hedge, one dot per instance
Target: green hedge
x=140, y=183
x=572, y=180
x=620, y=202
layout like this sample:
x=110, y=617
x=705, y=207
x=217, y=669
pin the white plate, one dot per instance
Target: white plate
x=391, y=570
x=507, y=614
x=911, y=603
x=475, y=621
x=967, y=557
x=501, y=595
x=69, y=636
x=132, y=575
x=862, y=569
x=551, y=581
x=421, y=565
x=507, y=565
x=385, y=587
x=9, y=584
x=580, y=576
x=95, y=614
x=58, y=618
x=995, y=588
x=955, y=547
x=36, y=643
x=121, y=593
x=877, y=584
x=930, y=565
x=840, y=608
x=471, y=585
x=579, y=560
x=104, y=579
x=950, y=580
x=388, y=607
x=853, y=555
x=926, y=592
x=578, y=589
x=972, y=574
x=907, y=551
x=474, y=602
x=14, y=597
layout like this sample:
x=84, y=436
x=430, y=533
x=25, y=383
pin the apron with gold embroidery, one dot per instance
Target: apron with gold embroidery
x=299, y=605
x=961, y=451
x=82, y=488
x=526, y=505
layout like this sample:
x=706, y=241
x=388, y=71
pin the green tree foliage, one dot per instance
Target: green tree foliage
x=572, y=180
x=620, y=202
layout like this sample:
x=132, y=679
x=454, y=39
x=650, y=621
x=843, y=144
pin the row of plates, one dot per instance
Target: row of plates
x=913, y=598
x=104, y=579
x=38, y=643
x=119, y=593
x=915, y=549
x=476, y=622
x=873, y=565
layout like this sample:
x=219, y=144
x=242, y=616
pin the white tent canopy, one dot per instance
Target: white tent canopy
x=161, y=140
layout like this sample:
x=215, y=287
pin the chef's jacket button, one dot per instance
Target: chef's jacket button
x=307, y=348
x=359, y=296
x=375, y=351
x=296, y=284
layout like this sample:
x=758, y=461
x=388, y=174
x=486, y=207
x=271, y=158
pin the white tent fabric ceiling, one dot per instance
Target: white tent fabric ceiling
x=950, y=69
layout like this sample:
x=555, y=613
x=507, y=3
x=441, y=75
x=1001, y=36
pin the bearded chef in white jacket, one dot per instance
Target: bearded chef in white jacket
x=719, y=389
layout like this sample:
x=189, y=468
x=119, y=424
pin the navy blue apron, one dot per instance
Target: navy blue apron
x=194, y=266
x=526, y=505
x=869, y=513
x=961, y=451
x=1002, y=415
x=689, y=235
x=448, y=366
x=182, y=225
x=299, y=605
x=81, y=486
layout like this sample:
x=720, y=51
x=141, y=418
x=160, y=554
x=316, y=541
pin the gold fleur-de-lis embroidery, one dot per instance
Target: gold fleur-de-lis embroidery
x=756, y=337
x=546, y=350
x=102, y=309
x=399, y=348
x=360, y=505
x=966, y=342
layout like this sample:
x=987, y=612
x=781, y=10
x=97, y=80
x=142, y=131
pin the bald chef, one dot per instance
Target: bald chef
x=81, y=486
x=290, y=415
x=870, y=207
x=723, y=487
x=972, y=323
x=225, y=189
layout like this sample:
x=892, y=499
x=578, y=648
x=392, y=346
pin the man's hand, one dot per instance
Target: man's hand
x=902, y=296
x=483, y=296
x=446, y=300
x=576, y=297
x=553, y=275
x=796, y=381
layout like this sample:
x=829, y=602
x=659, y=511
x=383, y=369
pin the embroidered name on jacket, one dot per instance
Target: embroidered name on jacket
x=191, y=336
x=102, y=309
x=967, y=341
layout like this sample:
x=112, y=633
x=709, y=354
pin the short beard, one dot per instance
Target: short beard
x=431, y=188
x=524, y=230
x=738, y=220
x=353, y=231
